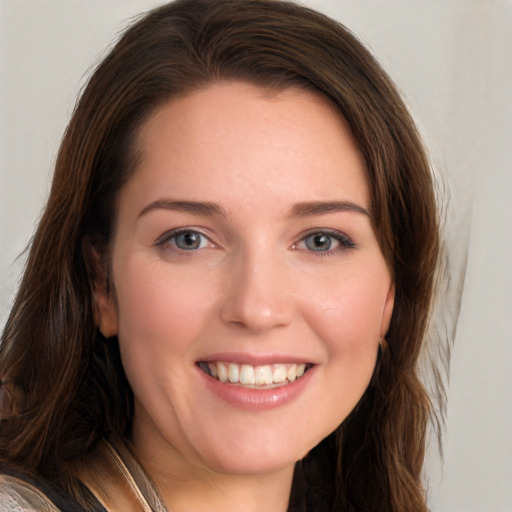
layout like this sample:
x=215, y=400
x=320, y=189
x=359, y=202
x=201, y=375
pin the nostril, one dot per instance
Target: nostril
x=256, y=316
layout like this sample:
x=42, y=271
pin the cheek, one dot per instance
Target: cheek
x=348, y=312
x=347, y=318
x=161, y=315
x=158, y=310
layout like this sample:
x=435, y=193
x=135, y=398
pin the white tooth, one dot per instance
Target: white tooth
x=301, y=368
x=222, y=372
x=279, y=373
x=234, y=372
x=213, y=369
x=247, y=375
x=263, y=375
x=291, y=373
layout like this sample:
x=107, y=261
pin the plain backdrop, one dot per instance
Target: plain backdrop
x=452, y=61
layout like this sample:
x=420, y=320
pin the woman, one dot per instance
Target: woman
x=226, y=296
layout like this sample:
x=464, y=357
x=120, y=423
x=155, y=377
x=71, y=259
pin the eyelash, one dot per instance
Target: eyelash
x=345, y=242
x=167, y=238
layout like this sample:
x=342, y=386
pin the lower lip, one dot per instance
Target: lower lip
x=257, y=399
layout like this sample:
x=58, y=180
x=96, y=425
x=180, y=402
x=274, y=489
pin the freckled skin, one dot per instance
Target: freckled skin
x=254, y=286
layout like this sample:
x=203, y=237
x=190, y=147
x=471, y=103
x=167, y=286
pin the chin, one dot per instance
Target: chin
x=252, y=464
x=259, y=453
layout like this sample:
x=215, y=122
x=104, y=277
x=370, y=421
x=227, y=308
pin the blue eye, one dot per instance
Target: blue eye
x=190, y=240
x=319, y=242
x=185, y=240
x=325, y=242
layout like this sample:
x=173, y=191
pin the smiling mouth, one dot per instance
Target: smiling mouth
x=255, y=377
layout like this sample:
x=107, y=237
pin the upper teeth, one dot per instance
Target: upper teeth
x=248, y=375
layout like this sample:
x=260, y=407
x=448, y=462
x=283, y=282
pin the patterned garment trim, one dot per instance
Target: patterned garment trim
x=16, y=495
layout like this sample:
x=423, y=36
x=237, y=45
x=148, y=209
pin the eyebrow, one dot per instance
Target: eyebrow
x=312, y=208
x=305, y=209
x=194, y=207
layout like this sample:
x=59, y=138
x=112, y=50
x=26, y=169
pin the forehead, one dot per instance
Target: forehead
x=233, y=136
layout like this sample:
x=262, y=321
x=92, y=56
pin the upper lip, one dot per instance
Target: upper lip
x=255, y=359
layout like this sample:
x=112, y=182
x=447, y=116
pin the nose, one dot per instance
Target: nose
x=258, y=295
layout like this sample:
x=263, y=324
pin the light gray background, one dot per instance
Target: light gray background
x=452, y=60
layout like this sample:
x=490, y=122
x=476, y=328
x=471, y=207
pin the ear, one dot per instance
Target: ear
x=105, y=313
x=104, y=303
x=388, y=310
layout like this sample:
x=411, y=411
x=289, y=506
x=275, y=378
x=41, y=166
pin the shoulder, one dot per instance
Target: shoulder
x=17, y=495
x=21, y=492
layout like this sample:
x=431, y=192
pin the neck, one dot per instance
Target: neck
x=196, y=489
x=249, y=494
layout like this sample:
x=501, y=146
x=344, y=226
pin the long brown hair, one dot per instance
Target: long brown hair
x=66, y=384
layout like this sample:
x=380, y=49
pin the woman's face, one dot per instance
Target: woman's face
x=250, y=292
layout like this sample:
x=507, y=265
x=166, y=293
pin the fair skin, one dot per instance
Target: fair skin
x=243, y=245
